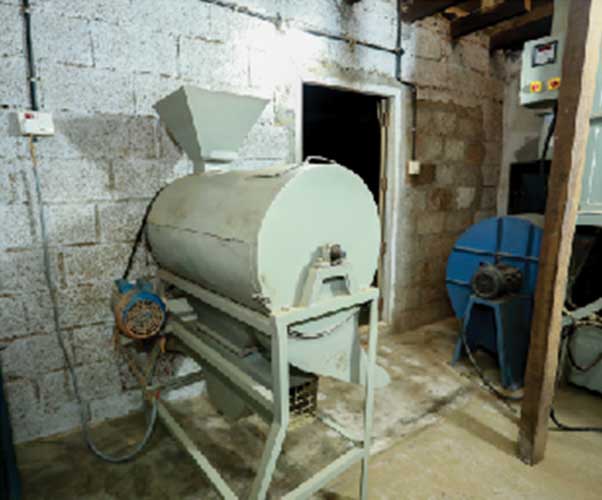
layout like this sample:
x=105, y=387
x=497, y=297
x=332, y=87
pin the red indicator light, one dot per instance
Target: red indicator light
x=553, y=83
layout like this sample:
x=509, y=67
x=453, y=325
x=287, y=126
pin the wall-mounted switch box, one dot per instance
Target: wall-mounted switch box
x=35, y=123
x=414, y=167
x=541, y=70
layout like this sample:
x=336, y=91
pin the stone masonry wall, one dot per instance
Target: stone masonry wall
x=103, y=63
x=459, y=142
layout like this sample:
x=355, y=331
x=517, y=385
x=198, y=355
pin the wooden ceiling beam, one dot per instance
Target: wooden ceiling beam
x=515, y=38
x=419, y=9
x=485, y=18
x=514, y=33
x=464, y=9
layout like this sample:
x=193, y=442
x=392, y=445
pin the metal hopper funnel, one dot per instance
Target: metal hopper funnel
x=209, y=125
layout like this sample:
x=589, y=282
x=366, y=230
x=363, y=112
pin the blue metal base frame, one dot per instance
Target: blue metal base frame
x=501, y=327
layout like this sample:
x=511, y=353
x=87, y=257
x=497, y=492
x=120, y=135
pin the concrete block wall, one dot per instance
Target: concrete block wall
x=460, y=92
x=103, y=63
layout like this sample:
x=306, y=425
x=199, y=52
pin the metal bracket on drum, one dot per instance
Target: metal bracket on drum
x=318, y=275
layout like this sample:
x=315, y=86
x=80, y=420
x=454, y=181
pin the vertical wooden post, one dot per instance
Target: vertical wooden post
x=579, y=66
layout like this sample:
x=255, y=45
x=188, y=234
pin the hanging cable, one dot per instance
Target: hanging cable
x=505, y=398
x=139, y=236
x=568, y=428
x=546, y=147
x=83, y=409
x=571, y=356
x=548, y=140
x=84, y=417
x=566, y=337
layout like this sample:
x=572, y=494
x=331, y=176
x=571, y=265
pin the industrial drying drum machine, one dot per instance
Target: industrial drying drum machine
x=270, y=269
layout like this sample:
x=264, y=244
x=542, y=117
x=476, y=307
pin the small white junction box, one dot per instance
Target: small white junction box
x=414, y=167
x=35, y=123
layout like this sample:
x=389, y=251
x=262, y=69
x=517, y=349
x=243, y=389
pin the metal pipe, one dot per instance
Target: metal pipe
x=33, y=83
x=277, y=21
x=397, y=51
x=197, y=455
x=340, y=38
x=412, y=86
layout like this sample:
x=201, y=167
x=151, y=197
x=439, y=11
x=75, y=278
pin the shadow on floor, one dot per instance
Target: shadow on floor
x=482, y=431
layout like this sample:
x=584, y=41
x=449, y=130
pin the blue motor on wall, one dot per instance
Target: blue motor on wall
x=491, y=276
x=140, y=313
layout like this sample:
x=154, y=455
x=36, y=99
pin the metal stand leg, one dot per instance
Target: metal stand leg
x=279, y=425
x=369, y=397
x=275, y=405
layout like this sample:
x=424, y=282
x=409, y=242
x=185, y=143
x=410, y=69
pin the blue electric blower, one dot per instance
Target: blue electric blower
x=491, y=277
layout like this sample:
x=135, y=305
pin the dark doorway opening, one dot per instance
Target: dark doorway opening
x=343, y=126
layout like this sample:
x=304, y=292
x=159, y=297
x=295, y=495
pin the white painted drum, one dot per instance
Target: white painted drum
x=251, y=235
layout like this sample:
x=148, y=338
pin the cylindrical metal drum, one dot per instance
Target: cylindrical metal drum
x=251, y=235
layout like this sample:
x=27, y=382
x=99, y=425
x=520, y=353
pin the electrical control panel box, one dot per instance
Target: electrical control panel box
x=541, y=72
x=35, y=123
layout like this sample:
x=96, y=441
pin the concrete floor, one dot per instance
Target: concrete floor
x=437, y=435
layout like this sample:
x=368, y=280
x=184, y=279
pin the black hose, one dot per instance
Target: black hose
x=549, y=136
x=139, y=236
x=546, y=146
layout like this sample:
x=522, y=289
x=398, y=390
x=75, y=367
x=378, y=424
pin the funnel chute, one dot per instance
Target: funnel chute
x=209, y=126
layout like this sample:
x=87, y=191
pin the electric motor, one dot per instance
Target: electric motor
x=139, y=311
x=493, y=281
x=512, y=240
